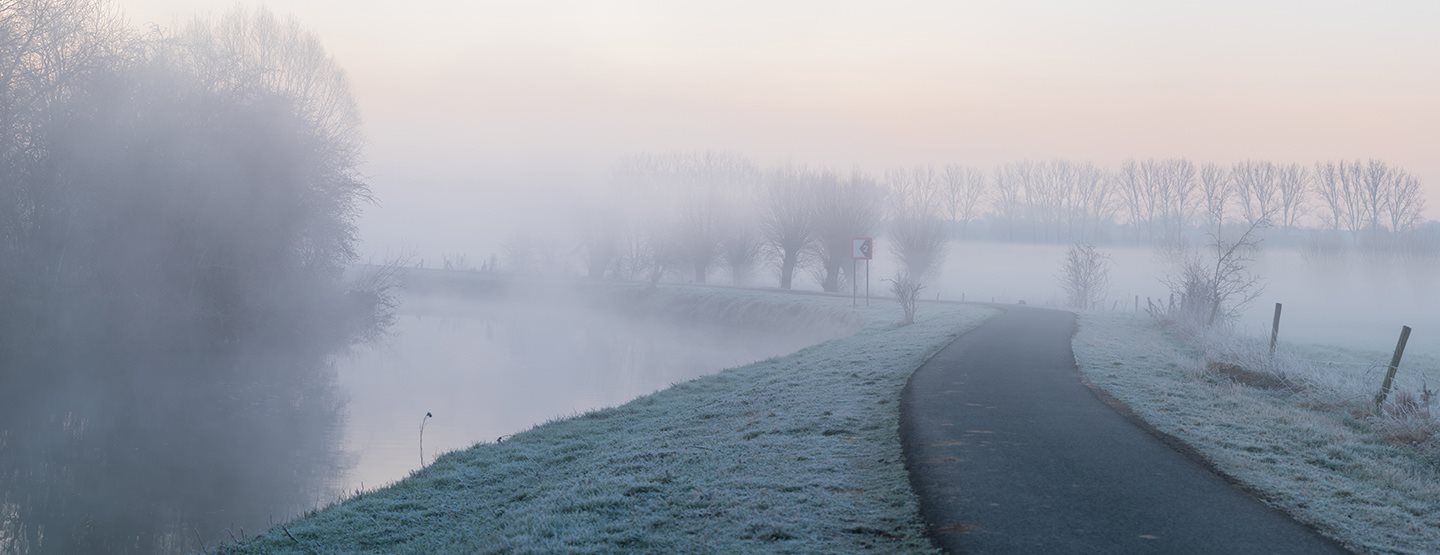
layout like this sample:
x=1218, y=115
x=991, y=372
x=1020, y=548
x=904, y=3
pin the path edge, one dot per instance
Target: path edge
x=1186, y=450
x=906, y=440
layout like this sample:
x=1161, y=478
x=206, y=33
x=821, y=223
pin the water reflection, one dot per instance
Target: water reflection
x=220, y=444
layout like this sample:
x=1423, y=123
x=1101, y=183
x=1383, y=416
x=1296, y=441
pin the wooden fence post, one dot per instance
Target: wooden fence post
x=1275, y=330
x=1394, y=365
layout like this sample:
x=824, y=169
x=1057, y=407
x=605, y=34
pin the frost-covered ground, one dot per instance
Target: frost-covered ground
x=796, y=453
x=1308, y=443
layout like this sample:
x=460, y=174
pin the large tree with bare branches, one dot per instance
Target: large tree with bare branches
x=1405, y=203
x=1216, y=190
x=963, y=190
x=1257, y=186
x=176, y=213
x=1293, y=183
x=916, y=206
x=1368, y=195
x=844, y=209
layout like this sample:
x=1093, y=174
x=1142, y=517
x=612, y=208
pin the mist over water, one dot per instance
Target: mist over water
x=166, y=466
x=191, y=352
x=492, y=366
x=239, y=456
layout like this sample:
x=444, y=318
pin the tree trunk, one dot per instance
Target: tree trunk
x=700, y=269
x=597, y=267
x=832, y=277
x=787, y=267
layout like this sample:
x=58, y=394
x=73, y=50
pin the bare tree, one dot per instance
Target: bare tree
x=698, y=238
x=1049, y=188
x=787, y=217
x=1140, y=195
x=919, y=242
x=1056, y=199
x=1180, y=192
x=634, y=256
x=845, y=209
x=1216, y=189
x=1374, y=180
x=1368, y=196
x=1257, y=186
x=601, y=226
x=907, y=290
x=48, y=50
x=1093, y=204
x=1404, y=202
x=642, y=213
x=964, y=191
x=664, y=252
x=158, y=229
x=1293, y=183
x=1352, y=177
x=1160, y=195
x=1008, y=202
x=1085, y=276
x=1216, y=288
x=917, y=226
x=1330, y=185
x=740, y=240
x=919, y=185
x=1213, y=285
x=250, y=48
x=696, y=190
x=1033, y=194
x=714, y=184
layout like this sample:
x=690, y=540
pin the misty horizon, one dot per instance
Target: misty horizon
x=548, y=98
x=643, y=276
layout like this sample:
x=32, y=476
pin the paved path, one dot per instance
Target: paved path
x=1011, y=453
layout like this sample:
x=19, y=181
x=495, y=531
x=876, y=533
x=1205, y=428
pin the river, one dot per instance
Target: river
x=487, y=369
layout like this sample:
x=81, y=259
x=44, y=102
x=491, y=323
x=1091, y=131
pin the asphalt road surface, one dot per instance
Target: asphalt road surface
x=1011, y=453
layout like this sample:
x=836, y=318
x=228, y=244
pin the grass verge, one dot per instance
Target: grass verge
x=1310, y=446
x=795, y=453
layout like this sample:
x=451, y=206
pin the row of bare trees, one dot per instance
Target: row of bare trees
x=1162, y=200
x=689, y=214
x=693, y=213
x=1368, y=196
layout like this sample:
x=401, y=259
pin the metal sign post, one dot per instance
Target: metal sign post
x=861, y=248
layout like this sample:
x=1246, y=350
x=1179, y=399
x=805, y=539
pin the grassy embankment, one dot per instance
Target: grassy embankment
x=799, y=452
x=1298, y=429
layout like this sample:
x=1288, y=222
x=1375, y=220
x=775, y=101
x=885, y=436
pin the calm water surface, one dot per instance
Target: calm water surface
x=491, y=369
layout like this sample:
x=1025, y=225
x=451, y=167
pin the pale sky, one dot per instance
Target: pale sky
x=464, y=102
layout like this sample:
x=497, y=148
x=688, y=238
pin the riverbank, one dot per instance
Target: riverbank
x=796, y=452
x=1298, y=429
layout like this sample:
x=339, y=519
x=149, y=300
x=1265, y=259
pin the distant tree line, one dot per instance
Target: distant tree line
x=692, y=215
x=689, y=214
x=176, y=209
x=1167, y=200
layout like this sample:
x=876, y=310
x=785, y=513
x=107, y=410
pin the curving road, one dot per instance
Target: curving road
x=1011, y=453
